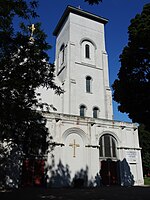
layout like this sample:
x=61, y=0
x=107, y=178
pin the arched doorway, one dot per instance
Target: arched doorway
x=109, y=164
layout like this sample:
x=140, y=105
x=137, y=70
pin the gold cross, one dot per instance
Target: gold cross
x=32, y=28
x=74, y=145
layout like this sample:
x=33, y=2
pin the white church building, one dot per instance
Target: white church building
x=90, y=148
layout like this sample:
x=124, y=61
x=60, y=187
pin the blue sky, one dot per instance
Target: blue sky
x=118, y=12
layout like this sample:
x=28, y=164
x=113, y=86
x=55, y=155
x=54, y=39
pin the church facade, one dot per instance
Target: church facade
x=89, y=147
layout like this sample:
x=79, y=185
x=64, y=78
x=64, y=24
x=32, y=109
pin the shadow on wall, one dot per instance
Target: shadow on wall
x=116, y=173
x=81, y=178
x=127, y=178
x=60, y=176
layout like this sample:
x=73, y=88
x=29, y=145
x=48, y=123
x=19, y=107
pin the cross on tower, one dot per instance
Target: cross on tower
x=32, y=29
x=74, y=145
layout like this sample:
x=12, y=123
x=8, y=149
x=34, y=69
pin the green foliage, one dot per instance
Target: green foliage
x=23, y=67
x=93, y=1
x=131, y=89
x=146, y=160
x=144, y=138
x=147, y=181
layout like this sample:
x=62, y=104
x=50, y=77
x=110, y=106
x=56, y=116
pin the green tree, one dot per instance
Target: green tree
x=144, y=137
x=132, y=87
x=24, y=66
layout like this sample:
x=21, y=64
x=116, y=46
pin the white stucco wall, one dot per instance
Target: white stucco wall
x=65, y=125
x=71, y=75
x=86, y=131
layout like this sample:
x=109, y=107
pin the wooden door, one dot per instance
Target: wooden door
x=33, y=172
x=109, y=172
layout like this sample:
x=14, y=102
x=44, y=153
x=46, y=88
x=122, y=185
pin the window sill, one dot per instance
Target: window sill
x=86, y=64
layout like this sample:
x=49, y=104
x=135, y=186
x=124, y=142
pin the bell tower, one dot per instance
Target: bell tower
x=82, y=65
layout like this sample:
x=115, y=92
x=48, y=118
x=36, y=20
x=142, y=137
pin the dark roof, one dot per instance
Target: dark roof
x=80, y=12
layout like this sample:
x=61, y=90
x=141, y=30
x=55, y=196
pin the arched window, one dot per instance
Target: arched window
x=107, y=146
x=87, y=51
x=62, y=54
x=88, y=84
x=82, y=110
x=95, y=112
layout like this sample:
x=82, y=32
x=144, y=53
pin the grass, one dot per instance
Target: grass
x=147, y=181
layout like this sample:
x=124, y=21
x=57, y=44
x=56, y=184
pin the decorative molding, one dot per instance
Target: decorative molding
x=73, y=81
x=57, y=119
x=127, y=148
x=122, y=127
x=56, y=144
x=92, y=123
x=92, y=146
x=87, y=65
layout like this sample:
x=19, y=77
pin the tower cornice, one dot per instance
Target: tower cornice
x=79, y=12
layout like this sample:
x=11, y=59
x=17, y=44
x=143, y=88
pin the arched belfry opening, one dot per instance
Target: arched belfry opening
x=88, y=84
x=88, y=51
x=83, y=109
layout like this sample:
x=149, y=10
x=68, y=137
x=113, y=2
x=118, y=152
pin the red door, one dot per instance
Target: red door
x=109, y=172
x=33, y=172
